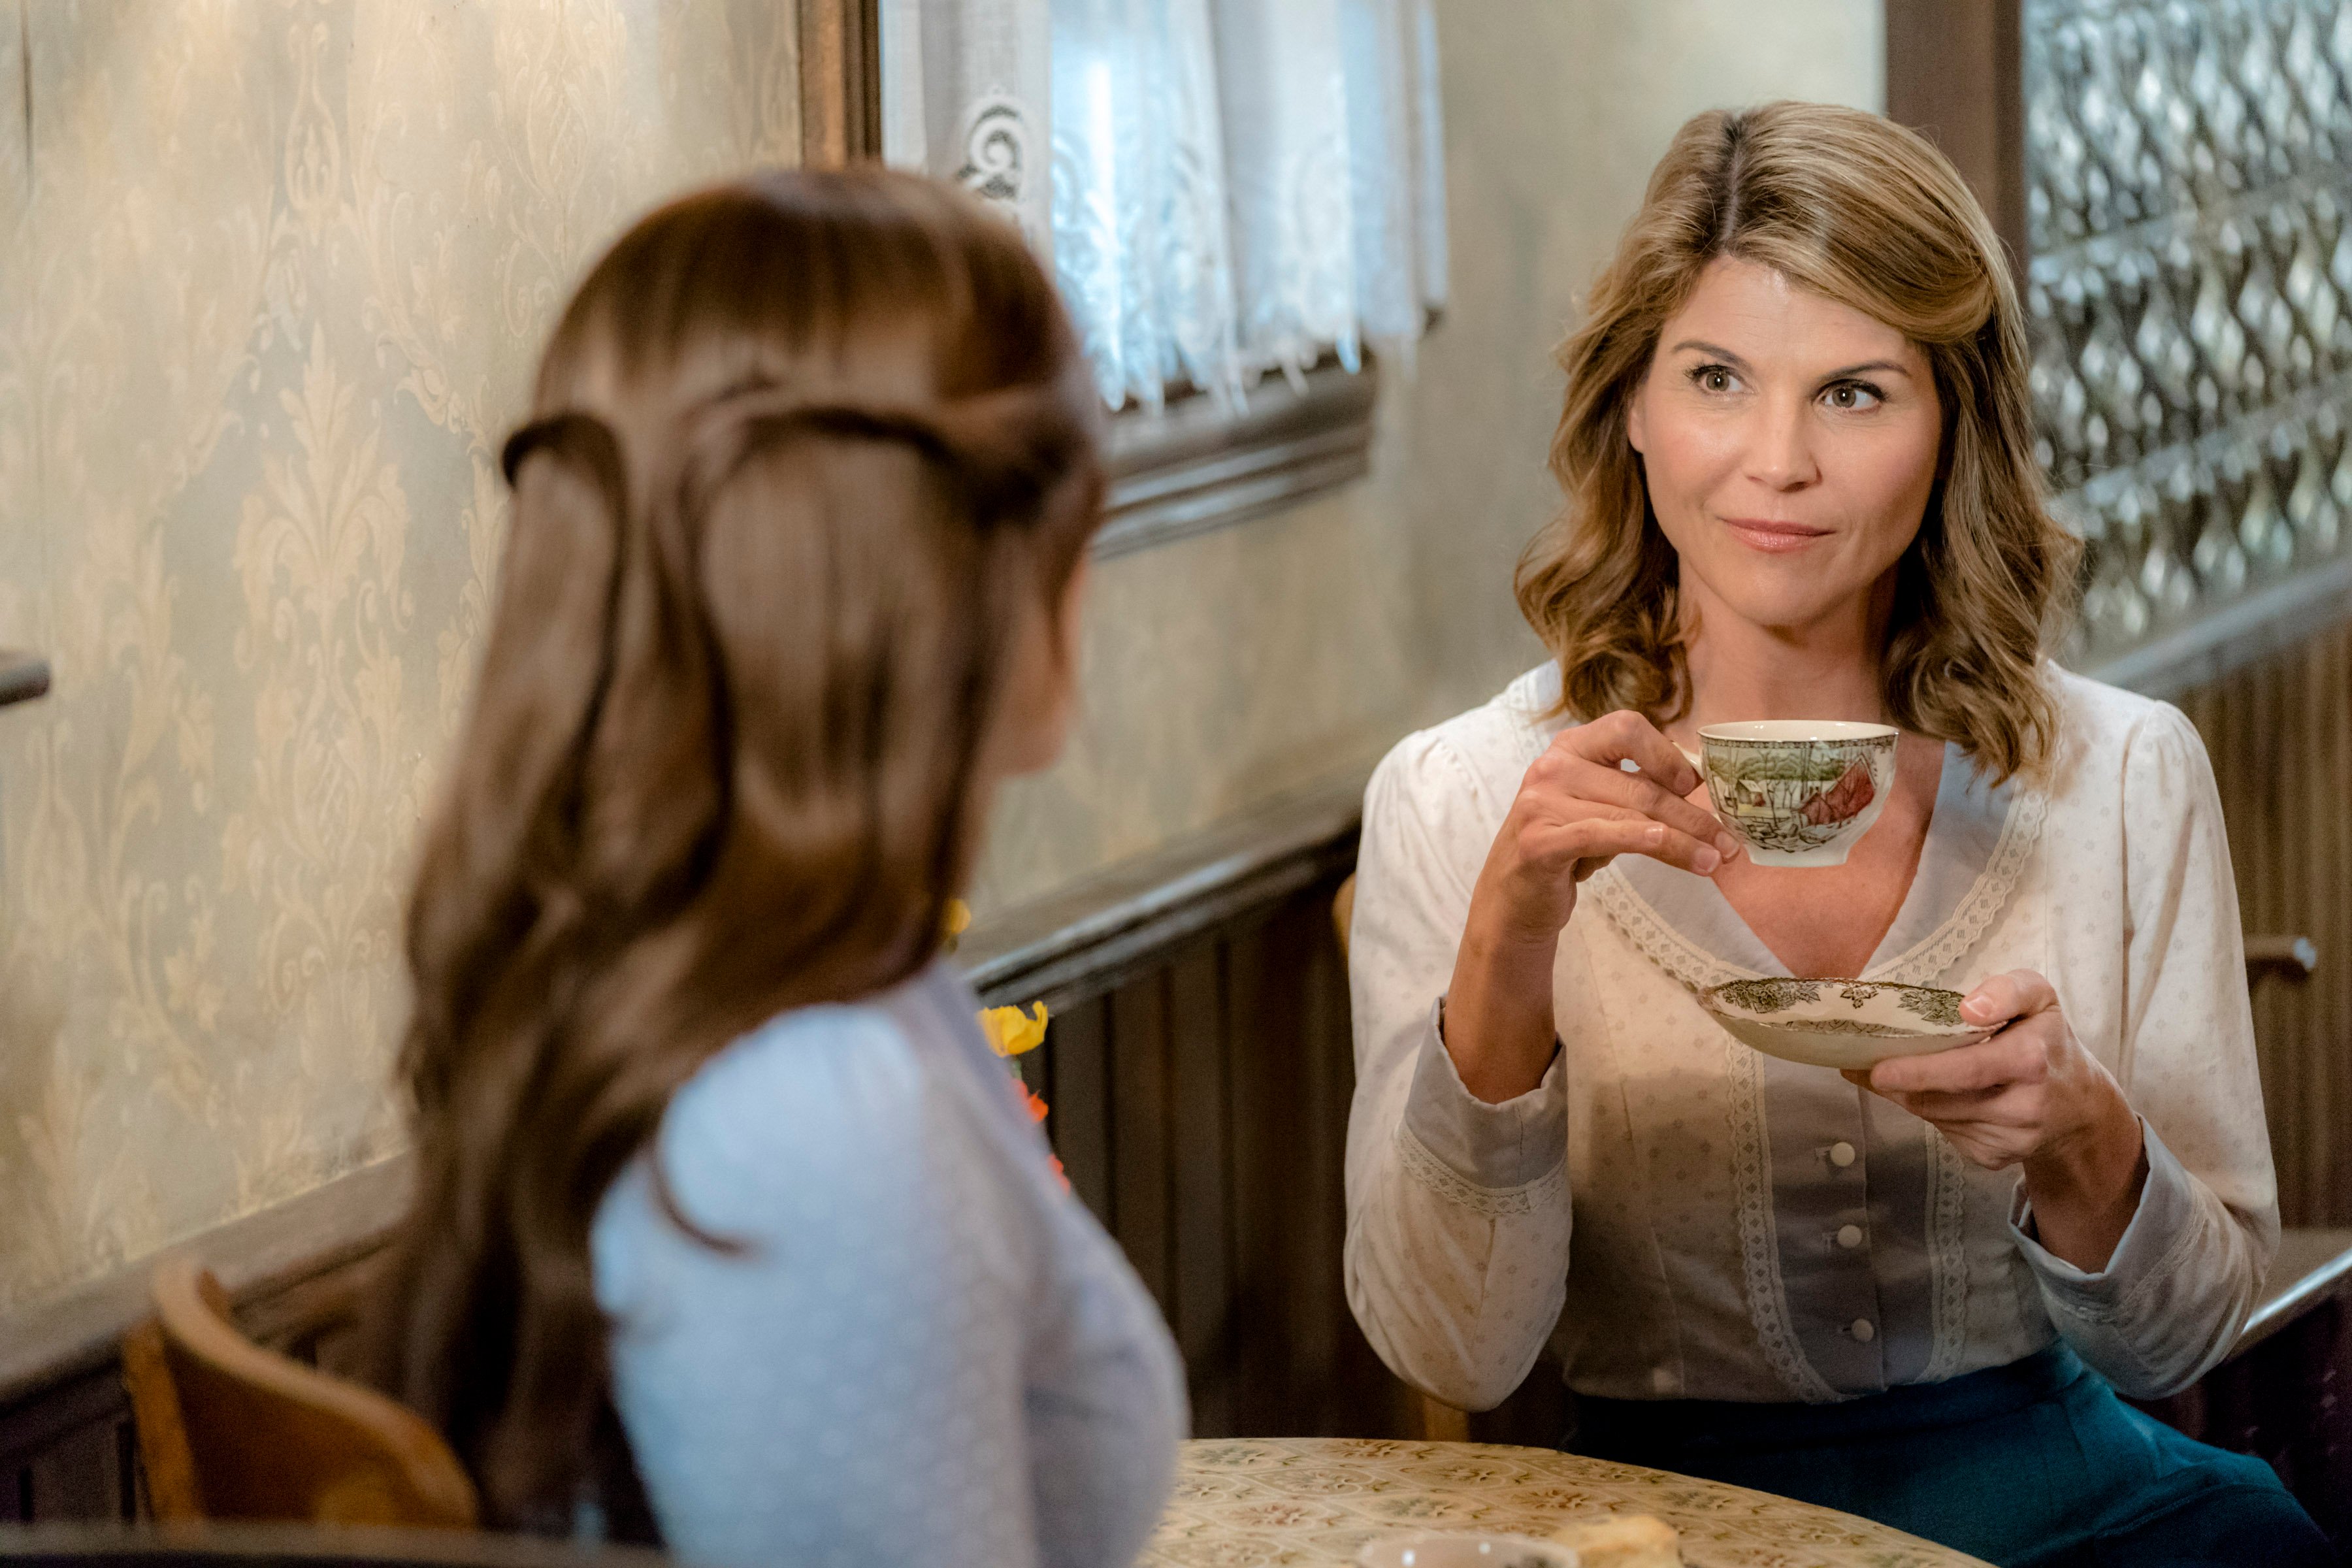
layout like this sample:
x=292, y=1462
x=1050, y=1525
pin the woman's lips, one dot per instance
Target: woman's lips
x=1764, y=534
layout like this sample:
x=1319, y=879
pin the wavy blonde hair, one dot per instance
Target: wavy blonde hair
x=1859, y=210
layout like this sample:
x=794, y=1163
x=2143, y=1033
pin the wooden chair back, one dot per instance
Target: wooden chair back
x=231, y=1431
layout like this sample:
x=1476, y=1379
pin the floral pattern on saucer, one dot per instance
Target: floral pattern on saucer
x=1929, y=1004
x=1844, y=1024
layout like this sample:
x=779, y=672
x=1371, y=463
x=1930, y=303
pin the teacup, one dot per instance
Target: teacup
x=1798, y=792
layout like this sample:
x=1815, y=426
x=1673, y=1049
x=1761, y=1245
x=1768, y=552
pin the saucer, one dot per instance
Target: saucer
x=1841, y=1023
x=1436, y=1549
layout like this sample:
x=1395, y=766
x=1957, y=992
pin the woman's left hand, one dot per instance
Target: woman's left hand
x=2031, y=1095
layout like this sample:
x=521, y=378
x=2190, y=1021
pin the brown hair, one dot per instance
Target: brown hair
x=1858, y=209
x=804, y=450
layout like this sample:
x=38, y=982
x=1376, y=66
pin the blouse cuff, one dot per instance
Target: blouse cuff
x=2164, y=1221
x=1495, y=1146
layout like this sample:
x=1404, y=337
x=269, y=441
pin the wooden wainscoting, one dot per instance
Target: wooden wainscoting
x=1201, y=1110
x=1199, y=1069
x=296, y=1272
x=2279, y=730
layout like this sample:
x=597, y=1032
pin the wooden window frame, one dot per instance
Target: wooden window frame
x=841, y=82
x=1954, y=72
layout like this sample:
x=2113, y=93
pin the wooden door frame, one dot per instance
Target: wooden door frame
x=1954, y=71
x=841, y=82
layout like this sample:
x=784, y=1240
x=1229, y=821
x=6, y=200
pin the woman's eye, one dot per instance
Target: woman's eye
x=1853, y=395
x=1713, y=378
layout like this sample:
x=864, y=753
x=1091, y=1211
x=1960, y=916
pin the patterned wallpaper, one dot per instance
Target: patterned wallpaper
x=272, y=273
x=272, y=277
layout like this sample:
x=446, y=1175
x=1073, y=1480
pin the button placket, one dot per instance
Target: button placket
x=1821, y=1184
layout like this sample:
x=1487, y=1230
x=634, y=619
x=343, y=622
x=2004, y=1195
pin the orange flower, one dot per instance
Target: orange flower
x=1011, y=1032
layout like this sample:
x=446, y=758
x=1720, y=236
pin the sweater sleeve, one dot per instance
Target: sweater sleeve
x=2189, y=1267
x=1458, y=1210
x=844, y=1383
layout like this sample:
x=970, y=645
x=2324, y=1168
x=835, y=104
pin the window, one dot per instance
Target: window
x=1229, y=191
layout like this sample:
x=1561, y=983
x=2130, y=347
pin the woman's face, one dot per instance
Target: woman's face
x=1790, y=445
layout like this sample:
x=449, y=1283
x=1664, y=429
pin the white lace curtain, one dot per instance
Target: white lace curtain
x=1226, y=187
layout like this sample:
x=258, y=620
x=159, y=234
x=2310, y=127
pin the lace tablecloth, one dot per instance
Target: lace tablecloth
x=1246, y=1502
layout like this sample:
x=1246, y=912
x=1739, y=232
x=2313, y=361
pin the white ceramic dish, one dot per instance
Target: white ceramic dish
x=1841, y=1023
x=1447, y=1549
x=1798, y=792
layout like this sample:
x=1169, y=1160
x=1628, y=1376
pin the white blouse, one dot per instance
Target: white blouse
x=1684, y=1217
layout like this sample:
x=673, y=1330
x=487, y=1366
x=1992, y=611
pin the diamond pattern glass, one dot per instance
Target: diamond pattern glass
x=2190, y=294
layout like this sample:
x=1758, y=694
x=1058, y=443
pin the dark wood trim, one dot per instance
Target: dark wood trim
x=2312, y=1266
x=841, y=82
x=267, y=1260
x=1090, y=939
x=234, y=1545
x=22, y=676
x=1954, y=71
x=1198, y=465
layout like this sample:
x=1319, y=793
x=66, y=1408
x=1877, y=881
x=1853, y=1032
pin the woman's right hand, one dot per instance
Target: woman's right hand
x=1578, y=808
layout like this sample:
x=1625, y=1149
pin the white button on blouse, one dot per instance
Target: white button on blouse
x=1849, y=1237
x=1841, y=1156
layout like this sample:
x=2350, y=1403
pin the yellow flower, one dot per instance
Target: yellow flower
x=959, y=920
x=1010, y=1031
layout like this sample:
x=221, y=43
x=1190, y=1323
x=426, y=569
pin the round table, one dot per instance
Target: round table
x=1241, y=1502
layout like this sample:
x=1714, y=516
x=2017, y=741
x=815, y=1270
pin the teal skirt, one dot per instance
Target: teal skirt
x=2033, y=1465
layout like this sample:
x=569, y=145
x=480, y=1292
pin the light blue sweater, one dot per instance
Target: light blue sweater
x=927, y=1352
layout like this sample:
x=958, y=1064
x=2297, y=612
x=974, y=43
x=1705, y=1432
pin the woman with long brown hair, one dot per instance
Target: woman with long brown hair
x=721, y=1191
x=1797, y=451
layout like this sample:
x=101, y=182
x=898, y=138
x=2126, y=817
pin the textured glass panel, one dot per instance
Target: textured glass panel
x=2188, y=294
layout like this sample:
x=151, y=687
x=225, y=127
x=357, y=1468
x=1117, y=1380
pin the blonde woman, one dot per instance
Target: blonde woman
x=1796, y=448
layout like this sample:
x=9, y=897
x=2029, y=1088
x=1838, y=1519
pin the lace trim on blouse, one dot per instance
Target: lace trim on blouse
x=1494, y=1203
x=1966, y=925
x=1948, y=1256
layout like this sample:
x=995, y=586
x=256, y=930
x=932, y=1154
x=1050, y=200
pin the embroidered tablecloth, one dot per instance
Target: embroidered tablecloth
x=1248, y=1503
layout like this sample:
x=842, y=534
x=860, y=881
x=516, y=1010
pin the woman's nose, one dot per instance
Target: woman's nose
x=1780, y=451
